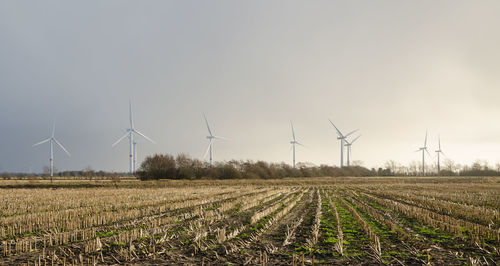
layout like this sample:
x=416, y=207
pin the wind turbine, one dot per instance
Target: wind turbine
x=130, y=135
x=51, y=140
x=293, y=142
x=424, y=149
x=342, y=138
x=348, y=145
x=439, y=151
x=210, y=138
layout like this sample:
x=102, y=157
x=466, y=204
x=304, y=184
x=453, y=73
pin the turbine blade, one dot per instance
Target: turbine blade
x=53, y=128
x=428, y=153
x=120, y=139
x=142, y=135
x=41, y=142
x=208, y=127
x=130, y=114
x=298, y=143
x=62, y=147
x=218, y=137
x=439, y=142
x=293, y=131
x=351, y=132
x=206, y=152
x=338, y=131
x=425, y=142
x=352, y=141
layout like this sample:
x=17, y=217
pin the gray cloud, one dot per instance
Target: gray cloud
x=391, y=68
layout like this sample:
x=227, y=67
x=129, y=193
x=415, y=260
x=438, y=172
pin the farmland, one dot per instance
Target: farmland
x=276, y=222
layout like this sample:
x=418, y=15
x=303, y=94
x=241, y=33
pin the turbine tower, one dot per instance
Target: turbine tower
x=130, y=135
x=424, y=149
x=210, y=138
x=439, y=151
x=293, y=142
x=348, y=145
x=342, y=138
x=135, y=154
x=51, y=140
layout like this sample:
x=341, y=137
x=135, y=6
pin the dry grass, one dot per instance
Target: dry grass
x=79, y=222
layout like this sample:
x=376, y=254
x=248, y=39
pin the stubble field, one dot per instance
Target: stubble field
x=399, y=221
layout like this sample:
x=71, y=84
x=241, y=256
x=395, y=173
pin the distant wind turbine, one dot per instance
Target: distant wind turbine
x=293, y=142
x=424, y=149
x=342, y=138
x=348, y=145
x=210, y=138
x=130, y=135
x=439, y=151
x=51, y=140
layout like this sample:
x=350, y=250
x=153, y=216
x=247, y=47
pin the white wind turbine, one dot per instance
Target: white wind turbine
x=348, y=145
x=210, y=138
x=293, y=142
x=424, y=149
x=439, y=151
x=342, y=138
x=130, y=135
x=51, y=140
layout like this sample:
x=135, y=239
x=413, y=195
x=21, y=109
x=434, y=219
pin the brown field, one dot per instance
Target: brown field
x=400, y=221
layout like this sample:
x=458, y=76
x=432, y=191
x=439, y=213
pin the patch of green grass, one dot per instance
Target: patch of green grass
x=109, y=233
x=117, y=244
x=328, y=223
x=354, y=237
x=426, y=257
x=33, y=233
x=436, y=235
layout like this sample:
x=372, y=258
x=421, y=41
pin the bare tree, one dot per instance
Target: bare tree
x=393, y=166
x=413, y=167
x=89, y=172
x=357, y=163
x=449, y=165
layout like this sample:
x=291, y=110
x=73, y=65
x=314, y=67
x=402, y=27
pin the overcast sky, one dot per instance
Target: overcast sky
x=390, y=68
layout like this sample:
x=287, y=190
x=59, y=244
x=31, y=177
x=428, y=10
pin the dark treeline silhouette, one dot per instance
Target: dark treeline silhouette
x=161, y=166
x=183, y=167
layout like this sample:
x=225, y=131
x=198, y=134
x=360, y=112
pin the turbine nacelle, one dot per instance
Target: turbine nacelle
x=130, y=134
x=210, y=138
x=293, y=142
x=424, y=150
x=52, y=140
x=342, y=139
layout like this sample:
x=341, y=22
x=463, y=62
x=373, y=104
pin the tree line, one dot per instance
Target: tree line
x=447, y=168
x=166, y=166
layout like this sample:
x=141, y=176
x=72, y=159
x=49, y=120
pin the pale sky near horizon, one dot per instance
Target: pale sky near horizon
x=393, y=69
